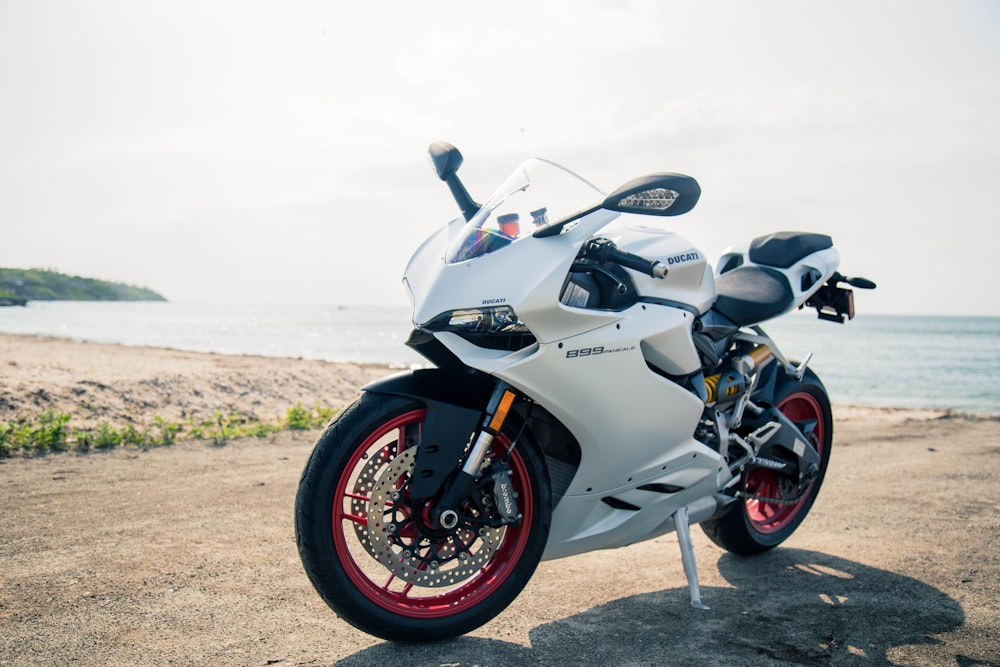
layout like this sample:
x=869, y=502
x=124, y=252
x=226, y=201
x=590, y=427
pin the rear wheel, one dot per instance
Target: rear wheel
x=754, y=525
x=375, y=555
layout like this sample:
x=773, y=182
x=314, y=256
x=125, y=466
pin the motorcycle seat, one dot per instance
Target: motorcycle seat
x=751, y=294
x=782, y=249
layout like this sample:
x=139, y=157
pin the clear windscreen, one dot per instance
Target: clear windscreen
x=538, y=192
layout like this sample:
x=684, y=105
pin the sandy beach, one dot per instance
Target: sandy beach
x=118, y=384
x=186, y=555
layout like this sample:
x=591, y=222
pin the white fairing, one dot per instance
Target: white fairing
x=689, y=281
x=591, y=368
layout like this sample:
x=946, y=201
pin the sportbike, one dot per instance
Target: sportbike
x=592, y=384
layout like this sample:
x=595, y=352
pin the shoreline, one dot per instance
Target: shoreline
x=121, y=384
x=124, y=384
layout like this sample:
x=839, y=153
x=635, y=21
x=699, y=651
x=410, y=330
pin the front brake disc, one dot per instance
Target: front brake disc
x=363, y=485
x=433, y=561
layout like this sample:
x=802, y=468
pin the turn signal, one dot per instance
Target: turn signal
x=657, y=199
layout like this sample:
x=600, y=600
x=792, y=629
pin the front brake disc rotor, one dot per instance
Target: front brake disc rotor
x=447, y=560
x=363, y=486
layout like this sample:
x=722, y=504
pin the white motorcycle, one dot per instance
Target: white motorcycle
x=588, y=391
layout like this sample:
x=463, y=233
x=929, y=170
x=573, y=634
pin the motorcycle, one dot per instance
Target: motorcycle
x=593, y=384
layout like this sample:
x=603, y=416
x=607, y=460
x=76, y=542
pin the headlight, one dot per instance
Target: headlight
x=496, y=328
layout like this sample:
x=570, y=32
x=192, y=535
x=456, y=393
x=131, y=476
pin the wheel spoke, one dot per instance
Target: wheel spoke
x=362, y=520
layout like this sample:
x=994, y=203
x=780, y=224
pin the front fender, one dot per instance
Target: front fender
x=463, y=388
x=455, y=403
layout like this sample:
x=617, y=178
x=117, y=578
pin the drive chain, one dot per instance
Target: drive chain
x=771, y=501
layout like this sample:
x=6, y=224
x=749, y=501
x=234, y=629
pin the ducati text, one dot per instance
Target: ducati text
x=682, y=258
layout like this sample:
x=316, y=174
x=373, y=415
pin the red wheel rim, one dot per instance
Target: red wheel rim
x=377, y=583
x=767, y=517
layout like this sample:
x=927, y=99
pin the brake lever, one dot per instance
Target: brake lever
x=620, y=287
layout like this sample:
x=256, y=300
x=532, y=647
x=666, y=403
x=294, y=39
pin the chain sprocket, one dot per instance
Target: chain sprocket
x=784, y=486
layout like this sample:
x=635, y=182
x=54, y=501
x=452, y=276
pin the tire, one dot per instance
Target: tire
x=751, y=526
x=384, y=581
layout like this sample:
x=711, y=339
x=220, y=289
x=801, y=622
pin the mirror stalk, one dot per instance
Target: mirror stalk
x=446, y=160
x=465, y=202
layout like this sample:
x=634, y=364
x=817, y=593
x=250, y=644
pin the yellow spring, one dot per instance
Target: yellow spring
x=711, y=387
x=759, y=355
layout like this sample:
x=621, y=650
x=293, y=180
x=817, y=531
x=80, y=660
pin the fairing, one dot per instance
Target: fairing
x=614, y=379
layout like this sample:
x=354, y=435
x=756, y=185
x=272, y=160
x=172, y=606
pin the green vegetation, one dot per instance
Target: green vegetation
x=51, y=432
x=44, y=285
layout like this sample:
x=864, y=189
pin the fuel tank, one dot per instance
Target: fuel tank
x=689, y=280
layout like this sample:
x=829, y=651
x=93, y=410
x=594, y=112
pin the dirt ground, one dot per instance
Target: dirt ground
x=185, y=555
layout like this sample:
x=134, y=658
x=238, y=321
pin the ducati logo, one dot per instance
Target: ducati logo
x=683, y=258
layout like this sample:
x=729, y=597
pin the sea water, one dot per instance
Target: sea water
x=332, y=333
x=874, y=360
x=900, y=361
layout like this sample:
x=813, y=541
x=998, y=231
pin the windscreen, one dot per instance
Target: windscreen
x=538, y=192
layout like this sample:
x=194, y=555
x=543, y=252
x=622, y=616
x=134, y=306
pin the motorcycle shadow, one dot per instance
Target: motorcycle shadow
x=785, y=606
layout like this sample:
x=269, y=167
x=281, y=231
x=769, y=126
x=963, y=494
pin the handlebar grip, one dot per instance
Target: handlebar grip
x=606, y=251
x=648, y=266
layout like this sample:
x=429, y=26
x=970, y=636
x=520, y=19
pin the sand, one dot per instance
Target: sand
x=117, y=384
x=185, y=554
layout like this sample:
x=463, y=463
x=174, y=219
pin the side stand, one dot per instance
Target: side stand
x=687, y=556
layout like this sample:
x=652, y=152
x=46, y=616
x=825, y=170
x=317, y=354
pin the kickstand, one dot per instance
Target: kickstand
x=687, y=556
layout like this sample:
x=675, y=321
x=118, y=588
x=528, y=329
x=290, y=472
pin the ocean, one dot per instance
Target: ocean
x=875, y=360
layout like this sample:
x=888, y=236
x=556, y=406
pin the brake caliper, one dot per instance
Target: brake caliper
x=504, y=495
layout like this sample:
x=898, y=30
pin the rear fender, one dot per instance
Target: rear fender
x=455, y=403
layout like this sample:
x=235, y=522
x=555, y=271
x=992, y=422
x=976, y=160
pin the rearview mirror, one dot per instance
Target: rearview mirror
x=656, y=194
x=445, y=158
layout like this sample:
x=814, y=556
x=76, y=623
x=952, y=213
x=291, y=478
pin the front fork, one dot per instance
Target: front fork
x=445, y=514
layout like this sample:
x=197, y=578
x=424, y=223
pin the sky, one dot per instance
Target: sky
x=243, y=151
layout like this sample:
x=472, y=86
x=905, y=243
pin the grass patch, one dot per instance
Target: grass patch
x=52, y=432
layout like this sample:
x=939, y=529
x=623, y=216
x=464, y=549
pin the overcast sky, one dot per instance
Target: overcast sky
x=272, y=152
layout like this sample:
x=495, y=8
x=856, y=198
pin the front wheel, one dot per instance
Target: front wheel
x=754, y=525
x=374, y=554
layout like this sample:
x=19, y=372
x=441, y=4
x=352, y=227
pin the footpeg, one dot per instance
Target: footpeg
x=687, y=556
